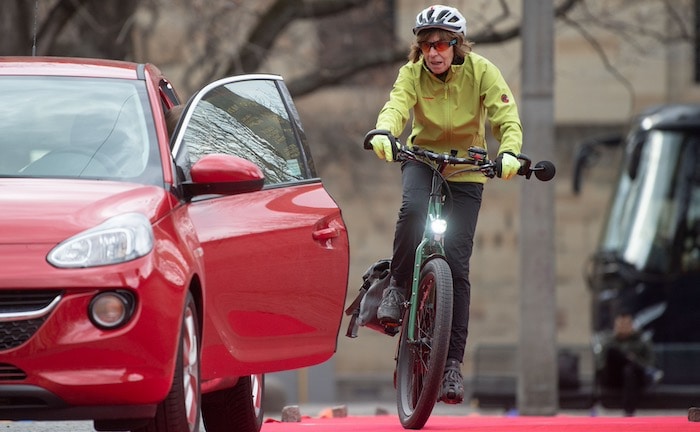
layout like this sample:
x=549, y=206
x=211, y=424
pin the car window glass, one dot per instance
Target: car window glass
x=60, y=127
x=248, y=119
x=690, y=259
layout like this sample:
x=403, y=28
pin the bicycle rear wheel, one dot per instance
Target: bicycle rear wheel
x=420, y=363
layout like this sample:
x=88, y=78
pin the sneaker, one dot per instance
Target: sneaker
x=389, y=311
x=452, y=391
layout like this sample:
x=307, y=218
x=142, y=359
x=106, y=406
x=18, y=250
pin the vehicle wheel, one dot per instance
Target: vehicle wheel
x=180, y=411
x=420, y=362
x=238, y=408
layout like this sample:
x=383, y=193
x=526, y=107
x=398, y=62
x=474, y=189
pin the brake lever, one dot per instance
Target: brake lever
x=489, y=170
x=525, y=167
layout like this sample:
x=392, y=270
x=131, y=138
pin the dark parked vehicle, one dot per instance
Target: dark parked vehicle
x=647, y=261
x=648, y=257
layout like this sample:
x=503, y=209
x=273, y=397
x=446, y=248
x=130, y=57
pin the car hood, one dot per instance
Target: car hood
x=51, y=210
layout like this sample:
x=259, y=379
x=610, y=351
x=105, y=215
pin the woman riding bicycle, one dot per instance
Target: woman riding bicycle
x=452, y=92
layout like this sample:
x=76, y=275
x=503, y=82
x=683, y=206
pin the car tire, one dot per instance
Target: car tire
x=237, y=408
x=180, y=411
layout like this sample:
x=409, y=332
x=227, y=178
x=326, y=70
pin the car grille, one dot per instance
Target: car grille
x=22, y=312
x=11, y=373
x=13, y=334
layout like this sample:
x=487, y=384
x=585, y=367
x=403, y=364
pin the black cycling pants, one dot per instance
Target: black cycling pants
x=462, y=212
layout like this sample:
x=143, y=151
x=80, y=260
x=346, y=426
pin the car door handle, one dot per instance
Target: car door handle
x=325, y=234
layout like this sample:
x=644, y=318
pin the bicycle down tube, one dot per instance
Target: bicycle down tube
x=430, y=240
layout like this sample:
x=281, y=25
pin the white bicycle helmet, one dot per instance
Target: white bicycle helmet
x=441, y=17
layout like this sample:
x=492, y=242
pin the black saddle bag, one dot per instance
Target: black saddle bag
x=363, y=310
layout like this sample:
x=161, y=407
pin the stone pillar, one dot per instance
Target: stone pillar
x=537, y=375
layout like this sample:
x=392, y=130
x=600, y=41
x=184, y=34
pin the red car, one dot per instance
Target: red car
x=148, y=276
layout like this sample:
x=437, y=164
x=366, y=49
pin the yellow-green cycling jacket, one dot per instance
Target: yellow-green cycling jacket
x=450, y=115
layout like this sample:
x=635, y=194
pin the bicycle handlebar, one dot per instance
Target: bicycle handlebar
x=544, y=170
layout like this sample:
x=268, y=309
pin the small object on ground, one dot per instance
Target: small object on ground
x=291, y=414
x=339, y=411
x=694, y=414
x=381, y=411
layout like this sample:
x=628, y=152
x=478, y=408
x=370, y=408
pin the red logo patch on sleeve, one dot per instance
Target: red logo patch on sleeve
x=504, y=98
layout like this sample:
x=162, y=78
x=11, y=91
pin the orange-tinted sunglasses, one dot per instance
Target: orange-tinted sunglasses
x=440, y=46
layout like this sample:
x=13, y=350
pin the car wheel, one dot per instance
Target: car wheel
x=240, y=405
x=180, y=411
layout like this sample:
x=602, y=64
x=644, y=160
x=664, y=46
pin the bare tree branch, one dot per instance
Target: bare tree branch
x=273, y=23
x=603, y=56
x=489, y=35
x=59, y=16
x=325, y=77
x=230, y=47
x=16, y=24
x=684, y=33
x=314, y=80
x=645, y=22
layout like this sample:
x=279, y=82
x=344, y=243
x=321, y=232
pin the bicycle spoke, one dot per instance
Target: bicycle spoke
x=422, y=346
x=422, y=358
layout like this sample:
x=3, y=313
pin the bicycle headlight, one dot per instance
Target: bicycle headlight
x=119, y=239
x=438, y=226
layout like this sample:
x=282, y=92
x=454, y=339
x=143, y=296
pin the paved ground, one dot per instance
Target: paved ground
x=353, y=409
x=375, y=408
x=561, y=423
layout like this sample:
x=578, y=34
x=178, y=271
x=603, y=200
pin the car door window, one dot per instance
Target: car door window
x=250, y=119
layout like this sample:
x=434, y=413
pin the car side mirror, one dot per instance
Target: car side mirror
x=221, y=174
x=587, y=154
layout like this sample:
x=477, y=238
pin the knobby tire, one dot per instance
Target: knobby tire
x=420, y=364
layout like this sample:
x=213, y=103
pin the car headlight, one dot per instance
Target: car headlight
x=119, y=239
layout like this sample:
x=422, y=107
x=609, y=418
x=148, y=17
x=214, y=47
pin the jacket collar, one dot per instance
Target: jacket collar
x=450, y=71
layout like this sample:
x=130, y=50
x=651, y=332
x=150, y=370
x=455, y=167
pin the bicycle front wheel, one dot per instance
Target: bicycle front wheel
x=420, y=362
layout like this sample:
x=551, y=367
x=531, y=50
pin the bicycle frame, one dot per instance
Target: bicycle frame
x=431, y=245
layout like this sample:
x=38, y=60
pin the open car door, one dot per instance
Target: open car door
x=277, y=259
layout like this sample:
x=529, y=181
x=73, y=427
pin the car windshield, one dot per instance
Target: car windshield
x=70, y=127
x=655, y=214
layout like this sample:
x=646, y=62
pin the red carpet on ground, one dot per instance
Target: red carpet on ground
x=490, y=424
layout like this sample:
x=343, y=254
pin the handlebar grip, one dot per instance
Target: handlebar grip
x=371, y=134
x=368, y=137
x=543, y=170
x=374, y=132
x=525, y=166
